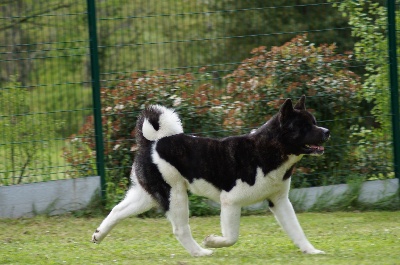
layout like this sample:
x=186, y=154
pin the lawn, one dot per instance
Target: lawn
x=346, y=237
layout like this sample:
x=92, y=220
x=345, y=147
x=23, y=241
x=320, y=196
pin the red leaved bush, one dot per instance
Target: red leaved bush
x=294, y=69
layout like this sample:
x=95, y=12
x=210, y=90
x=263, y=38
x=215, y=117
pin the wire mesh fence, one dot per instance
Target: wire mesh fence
x=225, y=66
x=45, y=87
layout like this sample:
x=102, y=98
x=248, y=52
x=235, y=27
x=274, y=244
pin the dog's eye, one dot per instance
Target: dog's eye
x=314, y=121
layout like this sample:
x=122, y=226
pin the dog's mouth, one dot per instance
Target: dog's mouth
x=312, y=149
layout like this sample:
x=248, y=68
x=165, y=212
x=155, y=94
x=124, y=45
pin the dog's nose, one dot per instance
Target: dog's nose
x=327, y=133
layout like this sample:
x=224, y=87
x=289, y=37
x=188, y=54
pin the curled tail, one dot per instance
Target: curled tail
x=156, y=122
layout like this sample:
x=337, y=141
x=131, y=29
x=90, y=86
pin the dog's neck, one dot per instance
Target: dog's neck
x=270, y=130
x=270, y=135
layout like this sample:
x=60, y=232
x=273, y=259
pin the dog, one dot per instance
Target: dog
x=235, y=171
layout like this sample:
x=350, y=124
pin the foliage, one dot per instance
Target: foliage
x=24, y=135
x=253, y=94
x=52, y=33
x=44, y=46
x=280, y=21
x=81, y=158
x=373, y=152
x=198, y=206
x=369, y=21
x=45, y=42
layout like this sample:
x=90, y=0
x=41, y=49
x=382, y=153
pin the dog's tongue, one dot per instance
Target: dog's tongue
x=317, y=147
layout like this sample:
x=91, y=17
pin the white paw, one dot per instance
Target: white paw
x=202, y=252
x=313, y=251
x=213, y=241
x=97, y=237
x=209, y=241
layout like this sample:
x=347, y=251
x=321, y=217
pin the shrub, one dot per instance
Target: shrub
x=369, y=22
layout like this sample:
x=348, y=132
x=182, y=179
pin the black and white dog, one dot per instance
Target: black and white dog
x=234, y=171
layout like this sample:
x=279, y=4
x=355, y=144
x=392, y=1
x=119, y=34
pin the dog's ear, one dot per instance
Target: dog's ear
x=301, y=104
x=286, y=110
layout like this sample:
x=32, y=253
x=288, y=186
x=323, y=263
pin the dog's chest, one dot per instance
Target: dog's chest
x=266, y=186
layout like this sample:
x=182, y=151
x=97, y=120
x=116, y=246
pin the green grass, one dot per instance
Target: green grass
x=347, y=238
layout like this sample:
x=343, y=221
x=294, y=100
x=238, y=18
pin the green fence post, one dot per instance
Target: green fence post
x=391, y=9
x=95, y=78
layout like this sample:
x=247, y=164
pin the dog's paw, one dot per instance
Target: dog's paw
x=213, y=241
x=97, y=237
x=209, y=241
x=313, y=251
x=201, y=253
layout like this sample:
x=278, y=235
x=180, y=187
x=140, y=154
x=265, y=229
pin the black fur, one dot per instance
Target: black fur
x=151, y=179
x=270, y=204
x=146, y=171
x=220, y=162
x=288, y=173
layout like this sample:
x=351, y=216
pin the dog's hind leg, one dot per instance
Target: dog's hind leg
x=178, y=215
x=230, y=222
x=285, y=215
x=136, y=201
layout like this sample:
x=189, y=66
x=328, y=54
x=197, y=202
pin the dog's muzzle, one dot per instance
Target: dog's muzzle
x=326, y=133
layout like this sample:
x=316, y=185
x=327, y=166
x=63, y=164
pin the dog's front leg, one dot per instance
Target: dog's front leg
x=285, y=215
x=230, y=222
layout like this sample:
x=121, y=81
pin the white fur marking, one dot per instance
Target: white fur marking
x=264, y=187
x=204, y=188
x=169, y=122
x=170, y=174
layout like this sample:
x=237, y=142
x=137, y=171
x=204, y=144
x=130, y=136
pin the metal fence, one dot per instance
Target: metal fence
x=74, y=76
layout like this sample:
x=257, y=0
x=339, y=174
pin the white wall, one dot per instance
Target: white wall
x=61, y=196
x=371, y=192
x=52, y=197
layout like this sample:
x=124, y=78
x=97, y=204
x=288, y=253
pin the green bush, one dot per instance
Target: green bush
x=369, y=22
x=253, y=93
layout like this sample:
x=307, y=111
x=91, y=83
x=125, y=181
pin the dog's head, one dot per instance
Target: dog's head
x=299, y=131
